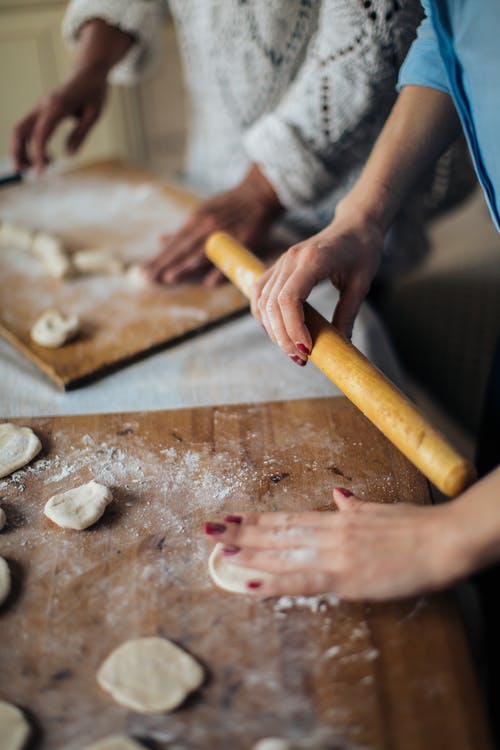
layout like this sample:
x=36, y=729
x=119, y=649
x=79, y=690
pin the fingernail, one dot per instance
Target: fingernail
x=302, y=348
x=214, y=528
x=343, y=491
x=298, y=361
x=233, y=519
x=263, y=327
x=231, y=549
x=254, y=584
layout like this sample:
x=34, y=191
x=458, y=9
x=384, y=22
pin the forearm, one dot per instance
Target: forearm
x=421, y=125
x=101, y=46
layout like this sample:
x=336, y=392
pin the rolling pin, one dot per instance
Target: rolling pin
x=363, y=384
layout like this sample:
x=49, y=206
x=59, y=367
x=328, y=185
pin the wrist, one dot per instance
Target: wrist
x=100, y=47
x=262, y=191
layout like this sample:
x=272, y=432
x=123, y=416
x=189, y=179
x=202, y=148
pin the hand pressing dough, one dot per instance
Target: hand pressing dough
x=150, y=675
x=97, y=261
x=53, y=329
x=52, y=255
x=115, y=742
x=231, y=577
x=3, y=518
x=18, y=445
x=4, y=580
x=14, y=729
x=14, y=236
x=80, y=507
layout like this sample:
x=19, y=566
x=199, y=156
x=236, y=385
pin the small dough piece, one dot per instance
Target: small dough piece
x=18, y=445
x=14, y=729
x=14, y=236
x=273, y=743
x=232, y=577
x=3, y=518
x=115, y=742
x=137, y=277
x=97, y=261
x=150, y=675
x=51, y=253
x=4, y=581
x=53, y=329
x=80, y=507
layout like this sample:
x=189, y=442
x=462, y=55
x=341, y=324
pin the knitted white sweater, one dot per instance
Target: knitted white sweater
x=301, y=87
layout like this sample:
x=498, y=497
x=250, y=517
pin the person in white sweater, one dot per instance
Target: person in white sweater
x=286, y=100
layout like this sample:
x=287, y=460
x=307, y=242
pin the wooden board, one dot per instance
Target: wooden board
x=352, y=676
x=101, y=205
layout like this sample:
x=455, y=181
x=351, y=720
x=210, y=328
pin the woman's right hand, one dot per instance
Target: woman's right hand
x=81, y=97
x=347, y=252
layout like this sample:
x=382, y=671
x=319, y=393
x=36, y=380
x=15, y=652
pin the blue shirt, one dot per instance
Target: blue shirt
x=457, y=50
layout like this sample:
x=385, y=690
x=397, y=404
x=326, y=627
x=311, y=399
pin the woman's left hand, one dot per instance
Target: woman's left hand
x=364, y=551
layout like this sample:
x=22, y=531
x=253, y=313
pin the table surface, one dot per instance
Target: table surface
x=352, y=676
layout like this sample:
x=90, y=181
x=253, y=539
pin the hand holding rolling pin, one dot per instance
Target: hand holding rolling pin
x=347, y=252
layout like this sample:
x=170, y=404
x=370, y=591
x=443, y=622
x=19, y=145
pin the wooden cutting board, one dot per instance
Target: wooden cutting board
x=350, y=675
x=108, y=205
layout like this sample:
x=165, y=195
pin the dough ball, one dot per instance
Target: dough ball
x=150, y=675
x=273, y=743
x=14, y=236
x=53, y=329
x=137, y=277
x=18, y=445
x=115, y=742
x=231, y=577
x=4, y=580
x=80, y=507
x=97, y=261
x=50, y=252
x=3, y=518
x=14, y=729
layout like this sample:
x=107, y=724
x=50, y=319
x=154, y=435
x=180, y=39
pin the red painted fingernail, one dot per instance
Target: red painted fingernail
x=214, y=528
x=233, y=519
x=254, y=584
x=343, y=491
x=298, y=361
x=302, y=348
x=231, y=549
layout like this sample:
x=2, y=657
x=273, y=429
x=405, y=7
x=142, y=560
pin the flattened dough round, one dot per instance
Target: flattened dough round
x=115, y=742
x=3, y=518
x=4, y=580
x=80, y=507
x=150, y=675
x=14, y=729
x=18, y=445
x=95, y=260
x=231, y=577
x=53, y=329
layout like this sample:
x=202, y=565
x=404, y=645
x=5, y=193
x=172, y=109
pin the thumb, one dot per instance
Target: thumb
x=345, y=500
x=347, y=308
x=84, y=124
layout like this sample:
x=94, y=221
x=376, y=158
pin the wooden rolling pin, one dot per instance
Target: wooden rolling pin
x=374, y=395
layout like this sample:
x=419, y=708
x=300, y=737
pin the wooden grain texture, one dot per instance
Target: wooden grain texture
x=101, y=205
x=355, y=676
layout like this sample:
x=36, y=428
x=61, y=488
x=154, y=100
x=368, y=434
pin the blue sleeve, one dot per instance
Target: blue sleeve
x=424, y=65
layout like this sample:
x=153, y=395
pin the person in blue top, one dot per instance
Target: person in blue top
x=369, y=550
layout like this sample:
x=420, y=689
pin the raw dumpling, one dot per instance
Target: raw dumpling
x=80, y=507
x=53, y=329
x=150, y=675
x=51, y=253
x=18, y=445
